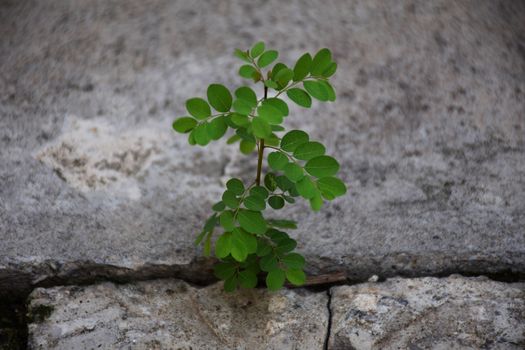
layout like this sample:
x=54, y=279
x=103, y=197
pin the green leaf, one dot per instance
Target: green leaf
x=230, y=199
x=300, y=97
x=330, y=70
x=240, y=119
x=242, y=55
x=247, y=94
x=223, y=245
x=268, y=262
x=242, y=106
x=277, y=160
x=316, y=89
x=272, y=140
x=230, y=284
x=255, y=202
x=261, y=128
x=289, y=199
x=309, y=150
x=239, y=250
x=259, y=191
x=320, y=62
x=219, y=206
x=278, y=104
x=236, y=186
x=270, y=182
x=200, y=134
x=207, y=245
x=245, y=135
x=322, y=166
x=284, y=183
x=247, y=147
x=252, y=221
x=282, y=223
x=293, y=261
x=332, y=186
x=199, y=238
x=263, y=248
x=276, y=69
x=227, y=221
x=216, y=128
x=191, y=138
x=247, y=279
x=302, y=67
x=233, y=139
x=270, y=114
x=296, y=277
x=293, y=139
x=247, y=71
x=249, y=240
x=257, y=49
x=276, y=202
x=184, y=124
x=286, y=245
x=294, y=172
x=316, y=202
x=306, y=188
x=219, y=97
x=329, y=90
x=198, y=108
x=275, y=279
x=271, y=84
x=224, y=270
x=210, y=223
x=283, y=77
x=267, y=58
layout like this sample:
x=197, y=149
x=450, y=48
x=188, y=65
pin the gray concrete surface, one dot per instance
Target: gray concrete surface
x=429, y=126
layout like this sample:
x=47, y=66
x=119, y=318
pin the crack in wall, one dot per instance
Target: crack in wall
x=329, y=323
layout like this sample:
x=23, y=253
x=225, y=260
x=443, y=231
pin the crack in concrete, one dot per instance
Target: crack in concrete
x=329, y=323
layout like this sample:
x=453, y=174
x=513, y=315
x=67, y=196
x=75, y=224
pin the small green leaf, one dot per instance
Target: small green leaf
x=184, y=124
x=247, y=147
x=271, y=84
x=300, y=97
x=330, y=70
x=302, y=67
x=278, y=104
x=219, y=97
x=242, y=55
x=306, y=188
x=216, y=128
x=277, y=160
x=270, y=182
x=261, y=128
x=316, y=89
x=322, y=166
x=236, y=186
x=296, y=276
x=270, y=114
x=276, y=202
x=283, y=77
x=320, y=62
x=227, y=221
x=329, y=90
x=286, y=245
x=259, y=191
x=275, y=279
x=239, y=251
x=284, y=183
x=257, y=49
x=293, y=139
x=207, y=245
x=191, y=138
x=245, y=134
x=224, y=270
x=293, y=261
x=200, y=237
x=247, y=71
x=223, y=245
x=252, y=221
x=240, y=119
x=249, y=240
x=267, y=58
x=219, y=206
x=230, y=284
x=200, y=134
x=198, y=108
x=263, y=248
x=230, y=199
x=247, y=94
x=255, y=202
x=294, y=172
x=316, y=202
x=242, y=107
x=331, y=185
x=247, y=279
x=268, y=262
x=309, y=150
x=276, y=69
x=233, y=139
x=282, y=223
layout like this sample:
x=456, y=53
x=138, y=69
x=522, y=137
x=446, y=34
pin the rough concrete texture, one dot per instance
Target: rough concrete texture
x=170, y=314
x=429, y=313
x=429, y=126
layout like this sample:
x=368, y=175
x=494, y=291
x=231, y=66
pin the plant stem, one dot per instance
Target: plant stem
x=261, y=150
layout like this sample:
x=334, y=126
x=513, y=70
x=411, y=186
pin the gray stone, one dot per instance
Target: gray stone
x=429, y=127
x=170, y=314
x=428, y=313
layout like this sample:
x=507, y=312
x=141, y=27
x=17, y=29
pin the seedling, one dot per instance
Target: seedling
x=250, y=243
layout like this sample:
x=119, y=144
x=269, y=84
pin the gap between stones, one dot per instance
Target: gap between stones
x=198, y=273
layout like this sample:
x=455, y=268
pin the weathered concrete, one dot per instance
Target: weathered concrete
x=170, y=314
x=429, y=313
x=429, y=126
